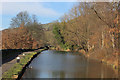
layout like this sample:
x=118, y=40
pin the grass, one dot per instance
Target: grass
x=17, y=68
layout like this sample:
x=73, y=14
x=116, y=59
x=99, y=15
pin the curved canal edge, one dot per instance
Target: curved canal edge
x=19, y=68
x=25, y=66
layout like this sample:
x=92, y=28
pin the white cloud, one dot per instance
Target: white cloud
x=12, y=8
x=2, y=28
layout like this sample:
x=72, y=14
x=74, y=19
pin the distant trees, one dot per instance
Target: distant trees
x=23, y=19
x=26, y=33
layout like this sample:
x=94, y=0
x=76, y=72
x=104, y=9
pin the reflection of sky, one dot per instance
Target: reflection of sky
x=45, y=11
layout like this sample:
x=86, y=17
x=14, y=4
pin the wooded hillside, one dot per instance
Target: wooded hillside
x=93, y=27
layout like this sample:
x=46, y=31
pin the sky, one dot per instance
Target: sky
x=46, y=12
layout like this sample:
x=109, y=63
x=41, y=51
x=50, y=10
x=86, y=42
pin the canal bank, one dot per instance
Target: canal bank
x=16, y=71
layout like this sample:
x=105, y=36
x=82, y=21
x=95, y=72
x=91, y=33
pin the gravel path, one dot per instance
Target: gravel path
x=6, y=66
x=10, y=64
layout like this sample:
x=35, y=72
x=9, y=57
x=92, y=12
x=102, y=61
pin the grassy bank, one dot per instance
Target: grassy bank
x=13, y=72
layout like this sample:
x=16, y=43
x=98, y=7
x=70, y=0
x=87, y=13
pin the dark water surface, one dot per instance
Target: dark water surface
x=60, y=64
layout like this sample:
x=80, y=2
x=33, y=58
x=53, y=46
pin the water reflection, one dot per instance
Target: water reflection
x=59, y=64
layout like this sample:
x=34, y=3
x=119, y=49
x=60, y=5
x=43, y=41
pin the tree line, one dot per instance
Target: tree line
x=93, y=27
x=25, y=32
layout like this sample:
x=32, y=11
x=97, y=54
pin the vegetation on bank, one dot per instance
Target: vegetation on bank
x=92, y=27
x=59, y=37
x=17, y=68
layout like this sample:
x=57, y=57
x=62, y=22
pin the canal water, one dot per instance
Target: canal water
x=60, y=64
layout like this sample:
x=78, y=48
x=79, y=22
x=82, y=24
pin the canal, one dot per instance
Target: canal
x=60, y=64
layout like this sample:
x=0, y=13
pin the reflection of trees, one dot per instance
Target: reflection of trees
x=87, y=68
x=58, y=74
x=102, y=72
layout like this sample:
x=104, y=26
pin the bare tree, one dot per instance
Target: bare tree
x=22, y=18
